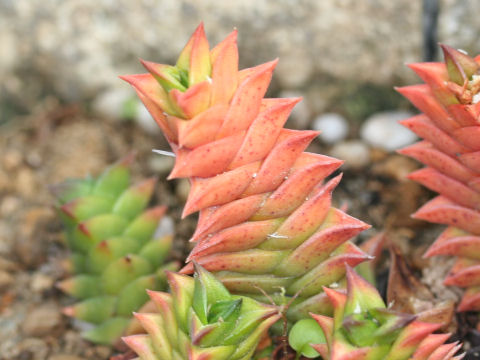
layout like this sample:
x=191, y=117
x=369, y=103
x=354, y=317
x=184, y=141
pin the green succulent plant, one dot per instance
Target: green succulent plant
x=201, y=320
x=116, y=253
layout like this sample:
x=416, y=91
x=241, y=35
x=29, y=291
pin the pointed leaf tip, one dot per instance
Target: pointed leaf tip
x=167, y=75
x=128, y=78
x=460, y=66
x=361, y=294
x=199, y=60
x=336, y=298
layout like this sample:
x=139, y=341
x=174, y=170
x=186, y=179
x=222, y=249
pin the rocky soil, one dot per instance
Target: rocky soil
x=64, y=113
x=58, y=141
x=53, y=143
x=74, y=49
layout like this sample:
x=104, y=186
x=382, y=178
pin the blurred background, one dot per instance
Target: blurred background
x=65, y=113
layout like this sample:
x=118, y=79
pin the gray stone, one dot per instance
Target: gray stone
x=64, y=357
x=112, y=103
x=295, y=70
x=165, y=227
x=333, y=127
x=42, y=320
x=458, y=24
x=79, y=47
x=33, y=348
x=384, y=131
x=41, y=282
x=354, y=152
x=6, y=280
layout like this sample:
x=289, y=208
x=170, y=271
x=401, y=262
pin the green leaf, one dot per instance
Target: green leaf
x=105, y=252
x=359, y=329
x=108, y=332
x=143, y=227
x=78, y=263
x=114, y=180
x=72, y=189
x=252, y=315
x=133, y=295
x=214, y=352
x=94, y=230
x=86, y=207
x=156, y=251
x=362, y=296
x=181, y=288
x=166, y=75
x=94, y=310
x=208, y=291
x=81, y=286
x=226, y=310
x=215, y=290
x=122, y=271
x=133, y=200
x=200, y=302
x=222, y=319
x=304, y=333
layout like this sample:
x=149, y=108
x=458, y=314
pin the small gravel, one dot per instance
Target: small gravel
x=384, y=131
x=42, y=320
x=334, y=127
x=354, y=152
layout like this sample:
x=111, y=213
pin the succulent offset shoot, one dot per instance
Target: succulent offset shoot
x=201, y=320
x=450, y=128
x=266, y=220
x=363, y=328
x=116, y=254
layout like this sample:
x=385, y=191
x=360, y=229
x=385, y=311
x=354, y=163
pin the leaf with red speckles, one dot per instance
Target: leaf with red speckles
x=259, y=194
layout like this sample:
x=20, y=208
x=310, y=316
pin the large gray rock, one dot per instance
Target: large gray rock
x=80, y=46
x=459, y=26
x=76, y=48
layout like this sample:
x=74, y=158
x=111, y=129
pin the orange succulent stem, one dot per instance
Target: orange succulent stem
x=266, y=216
x=450, y=128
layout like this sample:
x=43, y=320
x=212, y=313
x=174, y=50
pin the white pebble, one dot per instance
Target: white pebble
x=166, y=226
x=382, y=130
x=111, y=103
x=354, y=152
x=333, y=127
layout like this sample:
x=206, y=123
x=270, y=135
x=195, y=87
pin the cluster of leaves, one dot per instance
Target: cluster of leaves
x=267, y=230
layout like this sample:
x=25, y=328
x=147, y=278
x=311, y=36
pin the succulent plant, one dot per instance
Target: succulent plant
x=449, y=127
x=266, y=221
x=363, y=328
x=201, y=320
x=116, y=253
